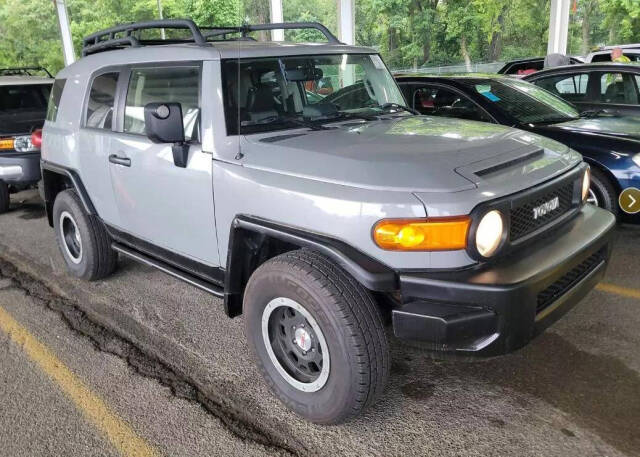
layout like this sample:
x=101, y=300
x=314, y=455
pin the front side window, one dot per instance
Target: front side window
x=439, y=101
x=618, y=88
x=101, y=101
x=280, y=92
x=525, y=102
x=164, y=85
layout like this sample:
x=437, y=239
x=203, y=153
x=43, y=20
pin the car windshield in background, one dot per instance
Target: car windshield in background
x=275, y=93
x=16, y=99
x=527, y=103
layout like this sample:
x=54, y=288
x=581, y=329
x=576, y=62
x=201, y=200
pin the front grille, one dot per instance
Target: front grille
x=569, y=280
x=522, y=216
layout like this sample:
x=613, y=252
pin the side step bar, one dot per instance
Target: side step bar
x=213, y=289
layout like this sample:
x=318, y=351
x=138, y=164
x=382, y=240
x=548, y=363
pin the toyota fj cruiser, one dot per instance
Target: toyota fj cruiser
x=23, y=105
x=320, y=213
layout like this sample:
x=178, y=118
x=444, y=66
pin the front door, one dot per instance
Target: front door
x=159, y=203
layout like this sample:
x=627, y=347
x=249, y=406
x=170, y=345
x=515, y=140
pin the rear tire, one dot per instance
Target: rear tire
x=82, y=239
x=317, y=336
x=4, y=197
x=603, y=191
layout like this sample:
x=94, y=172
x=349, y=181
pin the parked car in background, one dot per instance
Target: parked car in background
x=23, y=108
x=603, y=53
x=316, y=221
x=610, y=144
x=523, y=67
x=612, y=87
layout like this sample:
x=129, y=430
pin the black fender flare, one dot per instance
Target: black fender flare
x=51, y=187
x=248, y=234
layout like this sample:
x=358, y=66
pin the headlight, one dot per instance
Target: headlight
x=489, y=233
x=433, y=234
x=586, y=183
x=636, y=159
x=24, y=144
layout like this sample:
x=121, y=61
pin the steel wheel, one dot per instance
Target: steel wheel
x=592, y=198
x=295, y=344
x=72, y=241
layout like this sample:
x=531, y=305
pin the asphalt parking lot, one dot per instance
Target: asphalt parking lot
x=142, y=364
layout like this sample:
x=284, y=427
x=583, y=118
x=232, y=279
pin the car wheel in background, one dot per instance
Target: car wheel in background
x=82, y=239
x=602, y=193
x=4, y=197
x=317, y=336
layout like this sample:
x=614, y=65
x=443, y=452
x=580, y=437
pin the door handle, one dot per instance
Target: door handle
x=124, y=161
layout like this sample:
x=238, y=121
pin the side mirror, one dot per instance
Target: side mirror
x=163, y=124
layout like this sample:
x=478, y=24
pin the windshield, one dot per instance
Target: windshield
x=281, y=92
x=528, y=103
x=16, y=99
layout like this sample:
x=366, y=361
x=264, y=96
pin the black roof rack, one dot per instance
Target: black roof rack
x=112, y=38
x=23, y=71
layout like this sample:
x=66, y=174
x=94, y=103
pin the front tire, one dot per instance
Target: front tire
x=317, y=336
x=4, y=197
x=82, y=239
x=602, y=193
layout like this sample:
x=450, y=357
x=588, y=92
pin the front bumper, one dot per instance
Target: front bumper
x=500, y=307
x=20, y=168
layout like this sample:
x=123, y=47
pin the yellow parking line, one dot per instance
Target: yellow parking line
x=123, y=438
x=619, y=290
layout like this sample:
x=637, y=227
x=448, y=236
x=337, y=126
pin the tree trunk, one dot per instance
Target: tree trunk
x=495, y=47
x=465, y=53
x=426, y=50
x=586, y=45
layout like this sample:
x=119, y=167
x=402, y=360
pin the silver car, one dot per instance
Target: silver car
x=290, y=180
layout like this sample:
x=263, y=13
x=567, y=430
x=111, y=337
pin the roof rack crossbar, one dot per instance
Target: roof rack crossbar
x=331, y=38
x=23, y=71
x=106, y=39
x=111, y=43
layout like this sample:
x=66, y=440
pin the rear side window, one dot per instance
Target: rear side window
x=54, y=99
x=618, y=88
x=23, y=98
x=569, y=87
x=101, y=101
x=164, y=85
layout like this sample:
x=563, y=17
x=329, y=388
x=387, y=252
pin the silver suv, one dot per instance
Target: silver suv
x=290, y=180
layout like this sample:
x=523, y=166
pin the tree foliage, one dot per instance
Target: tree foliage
x=408, y=33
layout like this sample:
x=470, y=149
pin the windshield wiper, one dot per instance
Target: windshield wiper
x=303, y=123
x=592, y=113
x=556, y=120
x=343, y=115
x=397, y=107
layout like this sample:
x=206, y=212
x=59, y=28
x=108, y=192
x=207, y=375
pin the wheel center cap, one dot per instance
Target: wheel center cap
x=303, y=339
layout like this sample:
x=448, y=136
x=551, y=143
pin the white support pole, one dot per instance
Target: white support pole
x=276, y=17
x=65, y=32
x=161, y=16
x=558, y=27
x=346, y=21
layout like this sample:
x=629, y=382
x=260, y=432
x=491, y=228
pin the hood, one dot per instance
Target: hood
x=21, y=122
x=413, y=153
x=617, y=126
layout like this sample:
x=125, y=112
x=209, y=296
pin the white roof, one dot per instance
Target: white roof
x=22, y=80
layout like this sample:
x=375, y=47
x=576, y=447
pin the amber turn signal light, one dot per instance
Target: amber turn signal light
x=433, y=234
x=6, y=143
